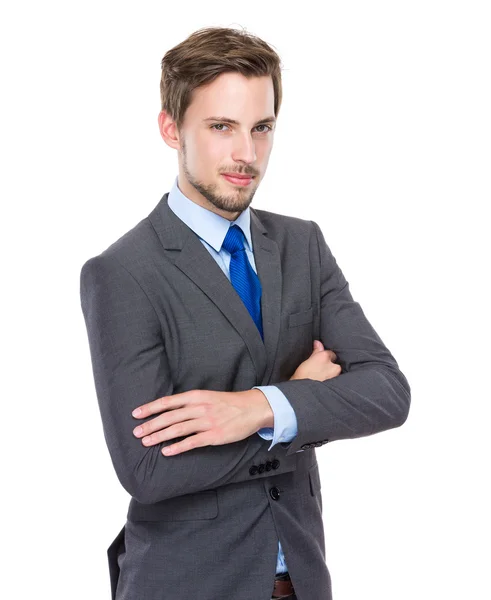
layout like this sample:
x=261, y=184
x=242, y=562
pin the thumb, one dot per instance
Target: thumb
x=318, y=346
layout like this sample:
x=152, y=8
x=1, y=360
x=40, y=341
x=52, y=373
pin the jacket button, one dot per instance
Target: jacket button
x=275, y=464
x=274, y=493
x=261, y=468
x=269, y=465
x=253, y=470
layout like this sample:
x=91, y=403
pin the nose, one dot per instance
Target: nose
x=244, y=148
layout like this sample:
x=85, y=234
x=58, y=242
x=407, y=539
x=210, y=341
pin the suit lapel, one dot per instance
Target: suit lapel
x=194, y=260
x=268, y=265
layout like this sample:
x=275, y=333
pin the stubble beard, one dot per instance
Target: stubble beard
x=238, y=201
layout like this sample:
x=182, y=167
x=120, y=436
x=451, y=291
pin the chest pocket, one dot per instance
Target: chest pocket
x=202, y=505
x=304, y=317
x=295, y=343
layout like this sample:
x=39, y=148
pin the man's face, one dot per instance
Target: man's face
x=209, y=147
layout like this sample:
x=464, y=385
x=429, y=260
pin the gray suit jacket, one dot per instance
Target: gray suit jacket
x=163, y=318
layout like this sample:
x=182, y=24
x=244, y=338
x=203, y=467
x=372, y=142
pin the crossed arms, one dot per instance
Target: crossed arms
x=130, y=367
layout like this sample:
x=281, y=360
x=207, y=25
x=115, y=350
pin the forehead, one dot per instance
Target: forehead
x=234, y=95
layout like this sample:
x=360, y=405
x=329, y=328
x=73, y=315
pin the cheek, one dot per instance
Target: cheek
x=263, y=154
x=211, y=152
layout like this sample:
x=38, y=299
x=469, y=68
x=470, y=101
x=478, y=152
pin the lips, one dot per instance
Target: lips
x=242, y=181
x=238, y=176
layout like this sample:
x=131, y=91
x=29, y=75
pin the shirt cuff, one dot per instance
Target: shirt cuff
x=285, y=420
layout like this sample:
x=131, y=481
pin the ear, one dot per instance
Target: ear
x=168, y=130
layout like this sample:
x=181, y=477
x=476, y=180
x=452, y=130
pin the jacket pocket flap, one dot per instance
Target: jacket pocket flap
x=202, y=505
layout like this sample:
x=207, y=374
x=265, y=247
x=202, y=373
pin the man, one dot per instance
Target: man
x=201, y=322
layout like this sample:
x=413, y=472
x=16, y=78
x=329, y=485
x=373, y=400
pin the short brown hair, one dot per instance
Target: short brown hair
x=206, y=54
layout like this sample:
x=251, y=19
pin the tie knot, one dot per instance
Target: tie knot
x=234, y=240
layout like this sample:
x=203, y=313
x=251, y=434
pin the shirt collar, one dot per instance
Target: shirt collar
x=205, y=223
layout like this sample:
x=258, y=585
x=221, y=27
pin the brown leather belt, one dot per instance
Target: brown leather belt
x=283, y=587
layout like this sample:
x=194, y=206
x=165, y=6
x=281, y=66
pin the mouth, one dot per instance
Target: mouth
x=236, y=179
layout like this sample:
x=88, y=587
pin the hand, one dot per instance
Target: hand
x=215, y=417
x=319, y=366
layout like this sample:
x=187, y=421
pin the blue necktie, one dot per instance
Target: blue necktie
x=242, y=275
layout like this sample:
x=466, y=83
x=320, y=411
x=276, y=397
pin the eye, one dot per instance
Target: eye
x=269, y=128
x=218, y=125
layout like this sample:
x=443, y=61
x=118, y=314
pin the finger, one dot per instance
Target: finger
x=332, y=355
x=164, y=403
x=194, y=441
x=167, y=419
x=177, y=430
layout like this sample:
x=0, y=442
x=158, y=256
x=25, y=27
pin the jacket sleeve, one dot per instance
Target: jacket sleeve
x=131, y=368
x=370, y=395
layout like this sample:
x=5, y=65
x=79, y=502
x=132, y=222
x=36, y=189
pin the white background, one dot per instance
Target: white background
x=384, y=139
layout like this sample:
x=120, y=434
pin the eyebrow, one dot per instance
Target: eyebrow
x=234, y=122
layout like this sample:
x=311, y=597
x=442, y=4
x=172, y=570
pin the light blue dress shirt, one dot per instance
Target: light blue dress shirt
x=211, y=230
